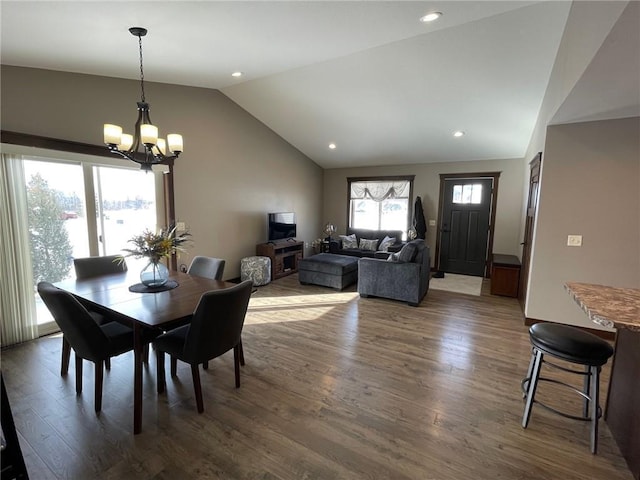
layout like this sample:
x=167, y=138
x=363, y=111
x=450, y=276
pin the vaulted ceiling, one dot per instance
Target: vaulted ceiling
x=368, y=76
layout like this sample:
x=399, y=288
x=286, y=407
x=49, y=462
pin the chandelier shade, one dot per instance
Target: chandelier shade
x=144, y=147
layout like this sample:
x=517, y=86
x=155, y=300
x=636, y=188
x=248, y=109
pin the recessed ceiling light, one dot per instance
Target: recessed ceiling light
x=430, y=17
x=458, y=133
x=332, y=146
x=237, y=74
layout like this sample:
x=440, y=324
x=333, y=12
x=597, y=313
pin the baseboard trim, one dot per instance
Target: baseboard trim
x=599, y=333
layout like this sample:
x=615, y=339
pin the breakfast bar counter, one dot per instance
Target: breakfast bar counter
x=619, y=308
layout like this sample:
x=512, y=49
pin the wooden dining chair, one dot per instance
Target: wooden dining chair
x=215, y=328
x=89, y=340
x=213, y=268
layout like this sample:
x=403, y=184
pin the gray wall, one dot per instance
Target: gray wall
x=427, y=186
x=590, y=187
x=233, y=171
x=552, y=263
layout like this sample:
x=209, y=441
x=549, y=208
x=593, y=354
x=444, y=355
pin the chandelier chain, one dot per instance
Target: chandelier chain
x=144, y=147
x=141, y=69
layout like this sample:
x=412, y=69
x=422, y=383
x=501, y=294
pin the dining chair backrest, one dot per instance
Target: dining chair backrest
x=216, y=325
x=95, y=266
x=81, y=331
x=208, y=267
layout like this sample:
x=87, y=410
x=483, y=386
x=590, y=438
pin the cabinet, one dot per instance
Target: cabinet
x=505, y=275
x=284, y=256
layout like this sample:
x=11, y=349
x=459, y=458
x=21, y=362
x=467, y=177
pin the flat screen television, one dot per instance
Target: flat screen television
x=282, y=226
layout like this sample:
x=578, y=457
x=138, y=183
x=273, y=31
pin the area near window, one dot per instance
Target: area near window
x=77, y=207
x=380, y=203
x=467, y=194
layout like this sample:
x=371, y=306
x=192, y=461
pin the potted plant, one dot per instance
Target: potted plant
x=155, y=247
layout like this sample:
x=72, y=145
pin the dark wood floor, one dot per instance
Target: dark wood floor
x=335, y=387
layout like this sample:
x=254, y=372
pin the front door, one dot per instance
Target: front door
x=464, y=225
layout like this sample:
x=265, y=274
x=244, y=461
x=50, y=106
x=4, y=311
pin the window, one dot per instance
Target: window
x=63, y=194
x=126, y=205
x=467, y=194
x=380, y=203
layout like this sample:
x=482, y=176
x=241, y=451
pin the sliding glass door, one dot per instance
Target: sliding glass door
x=126, y=205
x=78, y=209
x=57, y=218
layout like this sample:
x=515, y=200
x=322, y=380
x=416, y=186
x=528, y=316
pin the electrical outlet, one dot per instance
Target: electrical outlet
x=574, y=240
x=180, y=226
x=432, y=223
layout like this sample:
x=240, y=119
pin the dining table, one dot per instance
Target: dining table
x=159, y=309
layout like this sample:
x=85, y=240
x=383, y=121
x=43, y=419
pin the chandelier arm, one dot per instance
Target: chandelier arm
x=136, y=135
x=141, y=157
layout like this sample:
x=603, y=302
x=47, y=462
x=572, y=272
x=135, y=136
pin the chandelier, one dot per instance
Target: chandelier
x=144, y=146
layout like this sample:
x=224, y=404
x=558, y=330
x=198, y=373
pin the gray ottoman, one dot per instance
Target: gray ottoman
x=328, y=270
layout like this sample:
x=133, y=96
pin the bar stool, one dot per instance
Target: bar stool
x=575, y=346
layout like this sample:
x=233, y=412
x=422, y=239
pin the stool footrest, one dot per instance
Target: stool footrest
x=525, y=381
x=525, y=386
x=567, y=415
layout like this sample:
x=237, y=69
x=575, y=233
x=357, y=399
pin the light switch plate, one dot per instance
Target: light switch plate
x=574, y=240
x=432, y=223
x=180, y=226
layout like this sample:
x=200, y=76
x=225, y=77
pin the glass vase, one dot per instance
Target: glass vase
x=155, y=274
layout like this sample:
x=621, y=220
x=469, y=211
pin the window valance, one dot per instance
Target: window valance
x=380, y=190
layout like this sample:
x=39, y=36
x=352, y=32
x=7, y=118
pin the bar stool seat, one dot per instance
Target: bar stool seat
x=570, y=344
x=575, y=346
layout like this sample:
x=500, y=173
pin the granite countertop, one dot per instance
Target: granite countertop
x=608, y=306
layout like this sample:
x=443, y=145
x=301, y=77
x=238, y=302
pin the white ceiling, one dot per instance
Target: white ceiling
x=367, y=75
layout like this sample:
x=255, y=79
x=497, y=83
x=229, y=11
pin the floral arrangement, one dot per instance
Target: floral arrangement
x=156, y=246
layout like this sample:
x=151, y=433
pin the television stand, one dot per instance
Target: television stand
x=284, y=256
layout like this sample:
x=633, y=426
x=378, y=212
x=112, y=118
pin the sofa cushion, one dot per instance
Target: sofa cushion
x=356, y=252
x=341, y=247
x=349, y=241
x=386, y=242
x=408, y=253
x=366, y=244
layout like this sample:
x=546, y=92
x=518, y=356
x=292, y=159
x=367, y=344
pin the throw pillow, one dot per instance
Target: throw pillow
x=349, y=241
x=368, y=244
x=393, y=257
x=408, y=253
x=386, y=243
